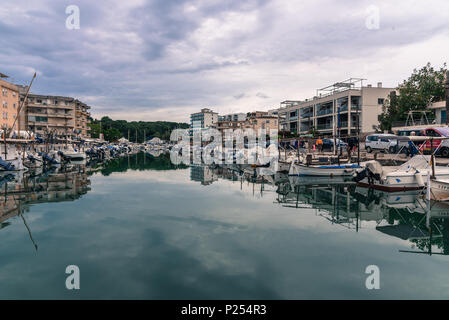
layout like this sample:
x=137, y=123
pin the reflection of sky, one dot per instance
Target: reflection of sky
x=158, y=235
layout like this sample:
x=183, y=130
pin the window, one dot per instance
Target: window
x=380, y=101
x=5, y=92
x=432, y=133
x=5, y=104
x=14, y=105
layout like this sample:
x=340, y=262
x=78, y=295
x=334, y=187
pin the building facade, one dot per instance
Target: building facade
x=262, y=120
x=233, y=117
x=344, y=106
x=9, y=102
x=63, y=116
x=82, y=117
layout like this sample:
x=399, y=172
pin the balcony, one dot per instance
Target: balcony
x=324, y=112
x=307, y=115
x=324, y=126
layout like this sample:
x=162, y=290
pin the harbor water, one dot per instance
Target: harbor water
x=140, y=227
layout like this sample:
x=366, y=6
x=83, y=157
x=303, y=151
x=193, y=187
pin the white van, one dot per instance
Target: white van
x=387, y=142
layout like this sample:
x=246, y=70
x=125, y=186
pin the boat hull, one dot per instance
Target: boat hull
x=323, y=171
x=439, y=190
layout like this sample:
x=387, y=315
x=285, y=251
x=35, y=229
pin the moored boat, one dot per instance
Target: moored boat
x=327, y=170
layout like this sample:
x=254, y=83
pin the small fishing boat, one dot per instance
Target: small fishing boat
x=326, y=170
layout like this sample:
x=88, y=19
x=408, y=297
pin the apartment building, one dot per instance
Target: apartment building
x=82, y=117
x=233, y=117
x=262, y=120
x=64, y=116
x=9, y=103
x=344, y=106
x=203, y=120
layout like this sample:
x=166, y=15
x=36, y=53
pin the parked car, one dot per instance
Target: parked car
x=430, y=139
x=386, y=142
x=328, y=144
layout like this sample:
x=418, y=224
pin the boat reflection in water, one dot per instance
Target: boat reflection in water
x=19, y=191
x=405, y=215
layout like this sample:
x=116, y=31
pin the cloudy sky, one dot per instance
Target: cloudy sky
x=163, y=59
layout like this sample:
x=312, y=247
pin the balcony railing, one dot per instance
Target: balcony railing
x=307, y=115
x=324, y=126
x=323, y=112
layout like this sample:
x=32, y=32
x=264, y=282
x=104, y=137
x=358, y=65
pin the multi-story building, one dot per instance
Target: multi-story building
x=262, y=120
x=9, y=103
x=203, y=120
x=345, y=106
x=63, y=116
x=233, y=117
x=82, y=116
x=253, y=120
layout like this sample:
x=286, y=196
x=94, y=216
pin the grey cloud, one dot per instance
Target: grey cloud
x=124, y=55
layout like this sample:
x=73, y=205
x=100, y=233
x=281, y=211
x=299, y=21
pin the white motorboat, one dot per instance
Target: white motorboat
x=409, y=176
x=326, y=170
x=72, y=154
x=10, y=159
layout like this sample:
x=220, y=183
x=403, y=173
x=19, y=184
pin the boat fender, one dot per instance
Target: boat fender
x=419, y=179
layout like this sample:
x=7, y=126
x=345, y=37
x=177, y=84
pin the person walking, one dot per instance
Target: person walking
x=319, y=144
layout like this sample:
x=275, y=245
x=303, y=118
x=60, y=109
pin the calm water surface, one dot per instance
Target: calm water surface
x=141, y=228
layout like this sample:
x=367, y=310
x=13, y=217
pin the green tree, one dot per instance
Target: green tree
x=414, y=94
x=95, y=130
x=160, y=129
x=112, y=134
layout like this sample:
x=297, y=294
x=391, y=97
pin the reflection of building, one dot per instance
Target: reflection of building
x=336, y=106
x=9, y=102
x=203, y=174
x=15, y=197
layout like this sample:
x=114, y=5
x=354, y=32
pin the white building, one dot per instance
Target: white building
x=336, y=107
x=204, y=119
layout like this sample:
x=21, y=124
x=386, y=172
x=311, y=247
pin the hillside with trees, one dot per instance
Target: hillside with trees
x=115, y=129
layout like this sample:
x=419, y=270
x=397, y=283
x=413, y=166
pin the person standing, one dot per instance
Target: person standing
x=319, y=144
